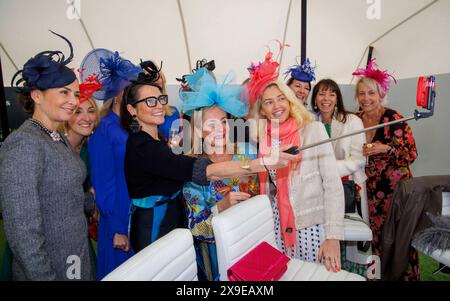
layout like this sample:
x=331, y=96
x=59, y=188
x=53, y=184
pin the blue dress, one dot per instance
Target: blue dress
x=164, y=128
x=199, y=201
x=107, y=154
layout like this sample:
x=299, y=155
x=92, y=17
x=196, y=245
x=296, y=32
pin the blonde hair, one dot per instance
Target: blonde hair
x=64, y=127
x=106, y=107
x=372, y=84
x=296, y=109
x=193, y=123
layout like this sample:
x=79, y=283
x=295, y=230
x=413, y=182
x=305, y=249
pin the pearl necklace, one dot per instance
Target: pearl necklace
x=52, y=134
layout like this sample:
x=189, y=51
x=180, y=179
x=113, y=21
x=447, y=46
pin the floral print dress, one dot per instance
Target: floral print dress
x=384, y=171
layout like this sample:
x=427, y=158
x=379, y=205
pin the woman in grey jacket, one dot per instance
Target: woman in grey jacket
x=41, y=190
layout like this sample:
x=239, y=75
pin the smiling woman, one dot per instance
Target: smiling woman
x=77, y=130
x=155, y=175
x=328, y=103
x=42, y=194
x=390, y=151
x=307, y=197
x=82, y=124
x=300, y=81
x=311, y=227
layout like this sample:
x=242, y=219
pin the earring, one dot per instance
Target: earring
x=316, y=108
x=135, y=127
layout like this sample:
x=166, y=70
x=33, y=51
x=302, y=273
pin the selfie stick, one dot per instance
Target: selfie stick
x=426, y=95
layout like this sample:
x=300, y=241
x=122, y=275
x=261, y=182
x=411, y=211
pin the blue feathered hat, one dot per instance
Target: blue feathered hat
x=44, y=72
x=206, y=92
x=113, y=71
x=302, y=72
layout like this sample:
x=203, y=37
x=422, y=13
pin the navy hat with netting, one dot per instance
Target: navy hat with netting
x=113, y=71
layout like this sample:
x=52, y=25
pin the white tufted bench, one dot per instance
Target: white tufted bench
x=170, y=258
x=242, y=227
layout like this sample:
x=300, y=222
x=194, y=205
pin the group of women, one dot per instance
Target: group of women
x=134, y=185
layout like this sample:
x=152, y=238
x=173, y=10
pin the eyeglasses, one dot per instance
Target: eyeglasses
x=152, y=100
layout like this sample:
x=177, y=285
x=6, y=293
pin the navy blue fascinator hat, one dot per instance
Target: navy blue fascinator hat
x=150, y=68
x=302, y=72
x=149, y=78
x=46, y=70
x=113, y=72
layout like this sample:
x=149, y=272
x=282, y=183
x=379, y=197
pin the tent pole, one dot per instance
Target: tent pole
x=304, y=30
x=186, y=42
x=285, y=33
x=392, y=29
x=3, y=113
x=369, y=56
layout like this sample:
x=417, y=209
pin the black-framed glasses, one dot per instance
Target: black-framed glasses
x=151, y=101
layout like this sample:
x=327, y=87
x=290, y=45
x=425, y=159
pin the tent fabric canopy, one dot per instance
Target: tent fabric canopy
x=234, y=33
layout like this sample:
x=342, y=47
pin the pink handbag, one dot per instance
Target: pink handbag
x=263, y=263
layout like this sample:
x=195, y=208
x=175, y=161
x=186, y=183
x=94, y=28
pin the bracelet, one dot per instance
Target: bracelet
x=245, y=164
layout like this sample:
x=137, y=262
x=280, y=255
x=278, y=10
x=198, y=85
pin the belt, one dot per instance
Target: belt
x=153, y=201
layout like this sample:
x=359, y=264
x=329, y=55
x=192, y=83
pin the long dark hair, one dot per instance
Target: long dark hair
x=129, y=98
x=329, y=84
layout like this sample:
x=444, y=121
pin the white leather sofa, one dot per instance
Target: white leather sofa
x=170, y=258
x=356, y=228
x=242, y=227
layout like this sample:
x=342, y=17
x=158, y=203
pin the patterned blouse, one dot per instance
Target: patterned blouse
x=200, y=200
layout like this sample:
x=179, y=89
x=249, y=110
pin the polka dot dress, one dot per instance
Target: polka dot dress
x=308, y=240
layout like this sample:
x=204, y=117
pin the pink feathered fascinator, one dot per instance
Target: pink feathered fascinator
x=383, y=78
x=262, y=74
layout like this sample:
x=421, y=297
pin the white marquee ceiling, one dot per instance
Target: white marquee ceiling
x=234, y=32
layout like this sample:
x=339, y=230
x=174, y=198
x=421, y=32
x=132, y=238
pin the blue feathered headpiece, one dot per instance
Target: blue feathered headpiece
x=206, y=92
x=116, y=73
x=44, y=72
x=113, y=71
x=304, y=72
